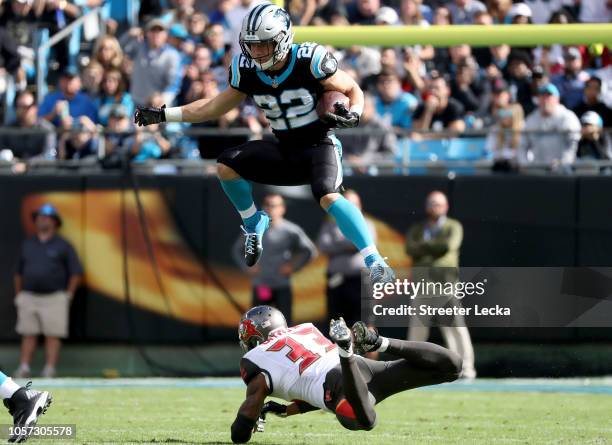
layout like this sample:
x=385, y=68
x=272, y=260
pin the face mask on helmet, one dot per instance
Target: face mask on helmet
x=266, y=53
x=260, y=52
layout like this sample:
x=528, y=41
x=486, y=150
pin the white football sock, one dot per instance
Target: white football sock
x=384, y=345
x=8, y=388
x=345, y=354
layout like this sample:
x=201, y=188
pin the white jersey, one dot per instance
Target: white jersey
x=295, y=363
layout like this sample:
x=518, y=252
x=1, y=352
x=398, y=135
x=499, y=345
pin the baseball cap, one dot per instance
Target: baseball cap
x=48, y=210
x=592, y=118
x=156, y=23
x=549, y=88
x=387, y=15
x=119, y=111
x=177, y=30
x=521, y=9
x=70, y=71
x=573, y=53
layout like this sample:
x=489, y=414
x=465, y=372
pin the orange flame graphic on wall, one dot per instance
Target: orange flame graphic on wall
x=93, y=224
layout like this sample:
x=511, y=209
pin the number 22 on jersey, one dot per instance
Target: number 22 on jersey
x=295, y=109
x=309, y=340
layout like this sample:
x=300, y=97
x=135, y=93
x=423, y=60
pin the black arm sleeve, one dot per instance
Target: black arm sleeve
x=304, y=407
x=249, y=370
x=242, y=428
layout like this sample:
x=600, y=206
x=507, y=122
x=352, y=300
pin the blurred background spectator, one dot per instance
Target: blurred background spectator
x=553, y=131
x=434, y=246
x=594, y=143
x=156, y=65
x=570, y=83
x=118, y=143
x=362, y=12
x=463, y=11
x=81, y=141
x=112, y=92
x=108, y=53
x=439, y=112
x=591, y=101
x=40, y=139
x=377, y=142
x=61, y=107
x=504, y=137
x=48, y=274
x=394, y=106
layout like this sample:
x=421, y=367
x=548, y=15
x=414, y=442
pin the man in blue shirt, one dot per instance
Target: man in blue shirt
x=68, y=103
x=392, y=104
x=48, y=274
x=571, y=82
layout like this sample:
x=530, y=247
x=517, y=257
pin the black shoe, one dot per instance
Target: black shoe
x=253, y=238
x=26, y=406
x=340, y=334
x=366, y=339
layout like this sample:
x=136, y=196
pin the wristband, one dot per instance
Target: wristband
x=357, y=109
x=174, y=114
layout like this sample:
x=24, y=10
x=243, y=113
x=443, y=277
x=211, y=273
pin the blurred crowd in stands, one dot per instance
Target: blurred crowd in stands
x=548, y=104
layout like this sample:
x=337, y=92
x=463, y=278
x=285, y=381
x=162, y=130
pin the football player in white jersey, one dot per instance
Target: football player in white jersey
x=302, y=366
x=285, y=80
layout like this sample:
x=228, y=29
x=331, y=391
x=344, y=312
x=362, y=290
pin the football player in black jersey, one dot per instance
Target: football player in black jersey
x=285, y=80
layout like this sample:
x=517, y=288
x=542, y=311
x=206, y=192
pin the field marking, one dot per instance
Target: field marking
x=575, y=386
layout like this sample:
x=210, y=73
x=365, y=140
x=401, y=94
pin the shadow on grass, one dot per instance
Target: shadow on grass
x=182, y=442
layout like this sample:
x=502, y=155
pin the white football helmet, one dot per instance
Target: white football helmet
x=266, y=23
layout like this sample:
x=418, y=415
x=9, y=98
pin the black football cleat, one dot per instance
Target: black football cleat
x=340, y=334
x=26, y=406
x=366, y=339
x=253, y=238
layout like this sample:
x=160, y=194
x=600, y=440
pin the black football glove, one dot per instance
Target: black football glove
x=149, y=115
x=275, y=408
x=342, y=118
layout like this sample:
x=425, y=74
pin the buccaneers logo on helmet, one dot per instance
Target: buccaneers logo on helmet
x=248, y=330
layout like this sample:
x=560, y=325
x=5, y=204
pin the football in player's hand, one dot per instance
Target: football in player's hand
x=327, y=102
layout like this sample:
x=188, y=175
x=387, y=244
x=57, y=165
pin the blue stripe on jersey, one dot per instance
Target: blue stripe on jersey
x=235, y=82
x=279, y=79
x=316, y=62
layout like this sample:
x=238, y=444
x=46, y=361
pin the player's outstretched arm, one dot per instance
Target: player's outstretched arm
x=198, y=111
x=242, y=428
x=280, y=410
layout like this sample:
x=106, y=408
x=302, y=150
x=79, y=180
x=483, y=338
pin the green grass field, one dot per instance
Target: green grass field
x=179, y=412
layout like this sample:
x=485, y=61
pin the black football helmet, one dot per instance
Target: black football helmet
x=257, y=324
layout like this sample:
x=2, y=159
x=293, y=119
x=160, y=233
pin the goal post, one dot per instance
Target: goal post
x=473, y=35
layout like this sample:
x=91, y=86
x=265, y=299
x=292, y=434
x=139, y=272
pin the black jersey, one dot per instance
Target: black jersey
x=288, y=97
